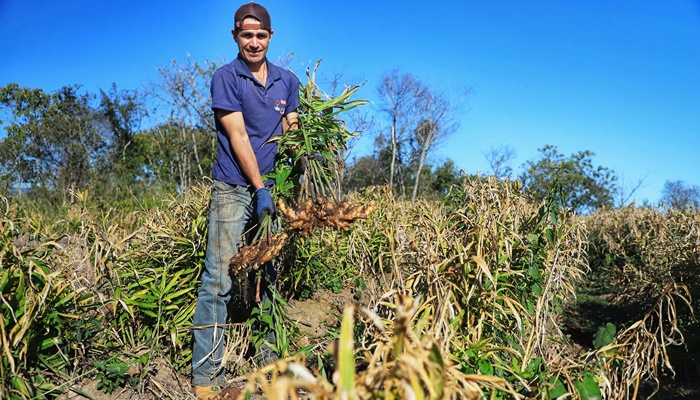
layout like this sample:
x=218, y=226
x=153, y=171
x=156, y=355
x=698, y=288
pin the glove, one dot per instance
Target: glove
x=264, y=203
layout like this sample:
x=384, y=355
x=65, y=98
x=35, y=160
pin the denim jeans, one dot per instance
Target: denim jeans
x=231, y=209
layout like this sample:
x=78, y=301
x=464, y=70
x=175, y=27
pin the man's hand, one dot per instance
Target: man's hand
x=264, y=203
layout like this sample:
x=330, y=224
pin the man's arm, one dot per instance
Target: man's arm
x=290, y=121
x=234, y=126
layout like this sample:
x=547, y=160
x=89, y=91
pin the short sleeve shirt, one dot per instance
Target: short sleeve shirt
x=233, y=88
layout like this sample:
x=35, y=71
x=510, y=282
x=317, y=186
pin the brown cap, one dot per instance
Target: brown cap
x=252, y=10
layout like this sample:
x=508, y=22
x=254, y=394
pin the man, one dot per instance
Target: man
x=253, y=101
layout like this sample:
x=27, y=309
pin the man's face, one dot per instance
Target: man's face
x=252, y=43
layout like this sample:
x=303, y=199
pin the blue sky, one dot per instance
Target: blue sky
x=618, y=78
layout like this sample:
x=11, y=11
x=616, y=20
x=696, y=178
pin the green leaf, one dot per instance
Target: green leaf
x=266, y=319
x=47, y=343
x=550, y=235
x=532, y=238
x=177, y=294
x=557, y=388
x=532, y=368
x=534, y=272
x=555, y=218
x=140, y=304
x=605, y=335
x=588, y=388
x=537, y=289
x=485, y=368
x=360, y=283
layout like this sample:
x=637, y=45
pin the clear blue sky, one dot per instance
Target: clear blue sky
x=619, y=78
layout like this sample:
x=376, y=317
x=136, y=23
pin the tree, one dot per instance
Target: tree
x=123, y=112
x=53, y=140
x=399, y=94
x=363, y=172
x=679, y=195
x=626, y=190
x=419, y=118
x=439, y=120
x=372, y=171
x=446, y=176
x=584, y=187
x=183, y=98
x=499, y=159
x=24, y=107
x=168, y=155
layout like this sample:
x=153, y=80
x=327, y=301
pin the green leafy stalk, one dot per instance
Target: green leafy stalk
x=311, y=155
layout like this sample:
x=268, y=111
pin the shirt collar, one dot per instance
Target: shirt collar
x=242, y=69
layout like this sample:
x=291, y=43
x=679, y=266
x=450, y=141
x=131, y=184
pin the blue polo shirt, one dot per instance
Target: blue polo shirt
x=233, y=88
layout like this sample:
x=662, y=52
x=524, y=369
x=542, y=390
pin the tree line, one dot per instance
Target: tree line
x=132, y=145
x=126, y=144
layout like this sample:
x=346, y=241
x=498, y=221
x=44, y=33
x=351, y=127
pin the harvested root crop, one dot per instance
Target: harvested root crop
x=320, y=213
x=257, y=253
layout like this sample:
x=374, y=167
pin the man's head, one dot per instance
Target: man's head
x=252, y=32
x=255, y=11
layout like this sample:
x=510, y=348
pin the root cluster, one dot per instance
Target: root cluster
x=257, y=253
x=320, y=213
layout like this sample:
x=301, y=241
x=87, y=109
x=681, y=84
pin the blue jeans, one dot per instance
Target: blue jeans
x=231, y=209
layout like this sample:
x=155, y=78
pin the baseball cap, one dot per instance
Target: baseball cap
x=256, y=11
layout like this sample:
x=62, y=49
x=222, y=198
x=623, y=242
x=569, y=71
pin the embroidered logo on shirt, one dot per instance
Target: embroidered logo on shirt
x=280, y=105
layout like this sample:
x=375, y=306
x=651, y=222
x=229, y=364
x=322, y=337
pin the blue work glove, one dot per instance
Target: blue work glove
x=264, y=203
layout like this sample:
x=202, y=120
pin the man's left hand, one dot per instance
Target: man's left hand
x=264, y=203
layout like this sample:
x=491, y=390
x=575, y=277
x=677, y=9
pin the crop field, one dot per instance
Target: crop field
x=472, y=296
